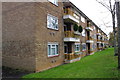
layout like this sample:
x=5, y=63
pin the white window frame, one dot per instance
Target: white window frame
x=85, y=47
x=99, y=37
x=76, y=16
x=83, y=33
x=49, y=22
x=55, y=2
x=51, y=47
x=77, y=45
x=95, y=36
x=82, y=19
x=93, y=46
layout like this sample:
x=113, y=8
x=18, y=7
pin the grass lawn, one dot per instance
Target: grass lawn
x=100, y=65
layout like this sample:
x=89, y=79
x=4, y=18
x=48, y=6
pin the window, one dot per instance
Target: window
x=83, y=19
x=83, y=32
x=100, y=45
x=52, y=22
x=98, y=30
x=54, y=2
x=52, y=49
x=103, y=38
x=76, y=16
x=83, y=46
x=99, y=37
x=94, y=36
x=103, y=44
x=93, y=46
x=77, y=47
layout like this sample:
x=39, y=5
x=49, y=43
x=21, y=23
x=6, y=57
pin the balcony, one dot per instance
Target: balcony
x=71, y=37
x=102, y=41
x=90, y=51
x=89, y=40
x=98, y=40
x=70, y=16
x=72, y=57
x=89, y=29
x=98, y=34
x=99, y=48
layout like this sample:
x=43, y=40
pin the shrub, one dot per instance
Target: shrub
x=80, y=29
x=75, y=27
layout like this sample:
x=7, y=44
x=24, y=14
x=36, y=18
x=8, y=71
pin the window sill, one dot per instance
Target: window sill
x=84, y=51
x=77, y=51
x=53, y=29
x=53, y=56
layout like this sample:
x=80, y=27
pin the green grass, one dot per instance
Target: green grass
x=102, y=64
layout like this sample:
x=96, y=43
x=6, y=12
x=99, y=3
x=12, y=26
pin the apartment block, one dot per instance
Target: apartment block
x=32, y=37
x=76, y=44
x=42, y=35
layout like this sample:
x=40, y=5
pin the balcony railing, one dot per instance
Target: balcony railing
x=70, y=34
x=68, y=11
x=71, y=56
x=89, y=38
x=90, y=51
x=99, y=48
x=98, y=40
x=88, y=28
x=98, y=33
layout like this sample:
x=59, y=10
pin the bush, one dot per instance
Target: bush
x=75, y=27
x=80, y=29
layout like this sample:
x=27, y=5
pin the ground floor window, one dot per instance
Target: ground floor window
x=52, y=49
x=77, y=47
x=103, y=44
x=100, y=45
x=65, y=48
x=83, y=46
x=94, y=46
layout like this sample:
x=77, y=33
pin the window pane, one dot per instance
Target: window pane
x=56, y=24
x=83, y=19
x=56, y=49
x=52, y=22
x=53, y=46
x=49, y=50
x=53, y=51
x=77, y=47
x=83, y=32
x=84, y=47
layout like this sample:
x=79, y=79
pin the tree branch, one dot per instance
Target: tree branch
x=103, y=4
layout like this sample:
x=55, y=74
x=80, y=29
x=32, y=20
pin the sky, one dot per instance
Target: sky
x=96, y=12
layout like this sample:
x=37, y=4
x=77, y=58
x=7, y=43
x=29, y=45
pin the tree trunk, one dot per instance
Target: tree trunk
x=118, y=24
x=114, y=33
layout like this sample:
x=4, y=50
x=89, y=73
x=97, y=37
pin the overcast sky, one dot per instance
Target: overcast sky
x=96, y=12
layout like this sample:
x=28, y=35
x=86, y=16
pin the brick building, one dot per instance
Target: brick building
x=40, y=35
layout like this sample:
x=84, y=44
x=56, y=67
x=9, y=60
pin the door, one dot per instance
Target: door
x=65, y=49
x=88, y=44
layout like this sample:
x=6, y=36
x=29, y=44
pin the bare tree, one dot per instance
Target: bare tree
x=111, y=9
x=118, y=23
